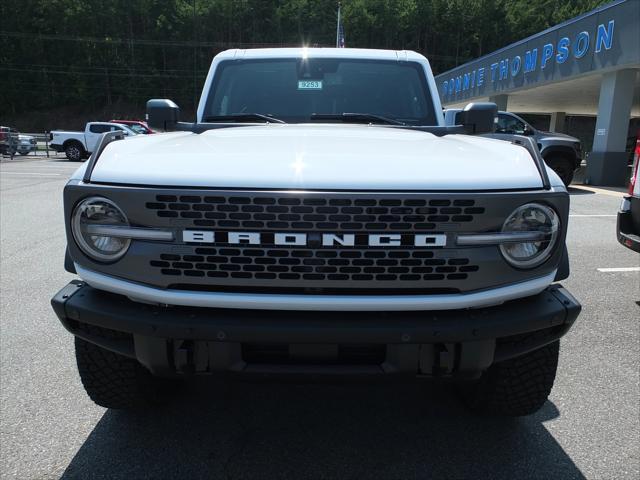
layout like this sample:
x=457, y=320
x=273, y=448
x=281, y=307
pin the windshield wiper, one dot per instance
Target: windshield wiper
x=243, y=117
x=356, y=118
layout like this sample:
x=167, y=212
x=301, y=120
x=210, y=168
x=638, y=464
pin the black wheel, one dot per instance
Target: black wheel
x=74, y=152
x=115, y=381
x=515, y=387
x=564, y=167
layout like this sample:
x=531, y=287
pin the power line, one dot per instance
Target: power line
x=185, y=43
x=103, y=74
x=137, y=67
x=134, y=41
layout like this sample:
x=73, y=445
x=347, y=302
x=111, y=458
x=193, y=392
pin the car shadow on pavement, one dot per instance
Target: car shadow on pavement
x=573, y=190
x=226, y=429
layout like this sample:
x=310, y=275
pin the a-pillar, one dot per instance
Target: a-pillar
x=501, y=101
x=557, y=122
x=607, y=163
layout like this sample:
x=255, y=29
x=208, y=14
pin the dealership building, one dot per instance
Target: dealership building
x=581, y=77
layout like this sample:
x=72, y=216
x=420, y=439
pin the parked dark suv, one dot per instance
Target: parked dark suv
x=561, y=152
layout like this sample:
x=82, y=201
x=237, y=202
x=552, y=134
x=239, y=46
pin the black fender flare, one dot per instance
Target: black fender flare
x=563, y=266
x=68, y=262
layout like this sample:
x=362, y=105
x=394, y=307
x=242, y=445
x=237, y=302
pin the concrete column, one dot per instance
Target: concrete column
x=607, y=163
x=500, y=100
x=557, y=122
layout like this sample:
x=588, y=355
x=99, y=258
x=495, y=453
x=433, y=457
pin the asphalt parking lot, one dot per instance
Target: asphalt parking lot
x=590, y=427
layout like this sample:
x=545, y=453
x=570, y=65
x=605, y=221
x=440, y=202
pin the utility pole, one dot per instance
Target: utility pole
x=338, y=28
x=195, y=60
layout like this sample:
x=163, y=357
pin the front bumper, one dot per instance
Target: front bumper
x=178, y=340
x=628, y=225
x=327, y=302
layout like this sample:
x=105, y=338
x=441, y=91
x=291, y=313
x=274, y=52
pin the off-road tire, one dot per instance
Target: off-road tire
x=116, y=381
x=563, y=166
x=515, y=387
x=74, y=152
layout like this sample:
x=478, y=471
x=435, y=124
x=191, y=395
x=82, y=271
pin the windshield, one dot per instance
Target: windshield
x=293, y=90
x=125, y=128
x=509, y=124
x=136, y=128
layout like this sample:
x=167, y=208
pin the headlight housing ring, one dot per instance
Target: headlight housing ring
x=529, y=218
x=99, y=211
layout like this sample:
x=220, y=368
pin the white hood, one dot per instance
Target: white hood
x=331, y=157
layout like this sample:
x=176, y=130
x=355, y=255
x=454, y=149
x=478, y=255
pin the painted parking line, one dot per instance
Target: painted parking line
x=592, y=215
x=619, y=269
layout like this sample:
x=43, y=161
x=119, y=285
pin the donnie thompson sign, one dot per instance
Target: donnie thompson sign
x=605, y=38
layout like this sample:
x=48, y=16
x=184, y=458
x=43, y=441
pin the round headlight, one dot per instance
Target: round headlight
x=88, y=216
x=531, y=217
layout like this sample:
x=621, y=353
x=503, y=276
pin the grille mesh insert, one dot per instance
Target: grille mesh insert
x=317, y=214
x=314, y=264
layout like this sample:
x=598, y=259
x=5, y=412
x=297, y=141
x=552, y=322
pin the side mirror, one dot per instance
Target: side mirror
x=528, y=131
x=162, y=114
x=478, y=117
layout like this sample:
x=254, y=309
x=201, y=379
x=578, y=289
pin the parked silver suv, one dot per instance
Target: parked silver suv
x=561, y=152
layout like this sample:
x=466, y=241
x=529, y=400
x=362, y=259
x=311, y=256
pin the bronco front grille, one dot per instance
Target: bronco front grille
x=288, y=212
x=220, y=264
x=314, y=264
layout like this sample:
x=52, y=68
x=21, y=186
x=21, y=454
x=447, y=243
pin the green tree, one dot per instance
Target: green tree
x=108, y=57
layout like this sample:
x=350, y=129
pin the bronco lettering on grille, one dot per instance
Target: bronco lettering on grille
x=315, y=239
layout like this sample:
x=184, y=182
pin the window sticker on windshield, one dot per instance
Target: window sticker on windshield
x=309, y=84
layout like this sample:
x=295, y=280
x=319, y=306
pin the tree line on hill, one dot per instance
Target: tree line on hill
x=92, y=53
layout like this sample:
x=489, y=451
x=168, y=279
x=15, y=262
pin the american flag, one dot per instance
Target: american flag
x=340, y=31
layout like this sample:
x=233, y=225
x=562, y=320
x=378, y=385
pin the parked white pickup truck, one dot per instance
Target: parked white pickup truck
x=79, y=145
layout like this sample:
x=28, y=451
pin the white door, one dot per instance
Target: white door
x=92, y=137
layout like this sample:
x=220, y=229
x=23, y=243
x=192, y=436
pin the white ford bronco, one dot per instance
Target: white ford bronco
x=318, y=219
